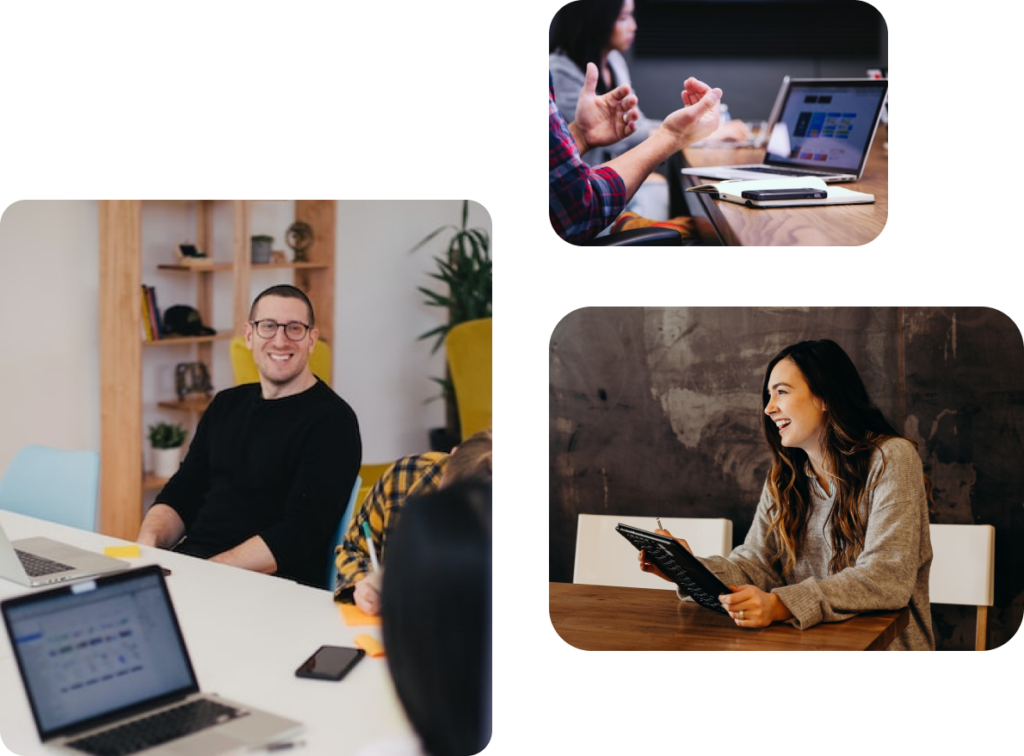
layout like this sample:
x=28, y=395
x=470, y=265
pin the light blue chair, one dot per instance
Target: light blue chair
x=346, y=518
x=53, y=484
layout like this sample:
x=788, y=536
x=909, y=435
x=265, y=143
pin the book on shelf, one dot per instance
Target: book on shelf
x=151, y=326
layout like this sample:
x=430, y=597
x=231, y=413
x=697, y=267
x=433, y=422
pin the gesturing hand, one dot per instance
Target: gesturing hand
x=694, y=90
x=759, y=609
x=700, y=116
x=603, y=119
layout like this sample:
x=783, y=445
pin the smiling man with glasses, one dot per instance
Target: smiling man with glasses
x=272, y=464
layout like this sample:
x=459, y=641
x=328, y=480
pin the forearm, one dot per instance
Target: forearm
x=637, y=164
x=253, y=554
x=162, y=527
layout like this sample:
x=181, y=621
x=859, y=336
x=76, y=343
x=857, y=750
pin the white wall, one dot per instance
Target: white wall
x=49, y=378
x=49, y=311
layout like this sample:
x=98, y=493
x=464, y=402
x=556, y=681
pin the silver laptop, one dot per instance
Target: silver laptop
x=37, y=562
x=818, y=127
x=106, y=671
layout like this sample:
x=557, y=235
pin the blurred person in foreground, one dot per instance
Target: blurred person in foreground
x=436, y=623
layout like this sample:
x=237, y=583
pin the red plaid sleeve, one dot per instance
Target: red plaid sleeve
x=581, y=200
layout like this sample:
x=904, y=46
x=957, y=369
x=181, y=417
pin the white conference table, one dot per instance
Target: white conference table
x=246, y=634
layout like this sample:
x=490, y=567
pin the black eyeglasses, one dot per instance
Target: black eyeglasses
x=267, y=329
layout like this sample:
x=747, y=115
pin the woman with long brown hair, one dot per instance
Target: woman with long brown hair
x=842, y=525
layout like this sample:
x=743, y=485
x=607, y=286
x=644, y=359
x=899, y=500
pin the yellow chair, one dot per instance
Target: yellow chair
x=469, y=360
x=369, y=474
x=245, y=368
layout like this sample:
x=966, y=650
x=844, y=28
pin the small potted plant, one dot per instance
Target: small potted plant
x=261, y=248
x=166, y=439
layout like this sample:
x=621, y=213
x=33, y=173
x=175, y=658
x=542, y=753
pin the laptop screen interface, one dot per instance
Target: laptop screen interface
x=90, y=651
x=826, y=128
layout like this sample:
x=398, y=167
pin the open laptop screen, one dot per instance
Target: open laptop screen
x=826, y=125
x=98, y=648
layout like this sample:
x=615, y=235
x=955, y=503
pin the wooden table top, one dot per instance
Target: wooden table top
x=606, y=618
x=837, y=225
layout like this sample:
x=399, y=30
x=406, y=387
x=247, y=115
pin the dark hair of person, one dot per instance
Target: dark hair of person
x=582, y=29
x=436, y=617
x=853, y=430
x=284, y=290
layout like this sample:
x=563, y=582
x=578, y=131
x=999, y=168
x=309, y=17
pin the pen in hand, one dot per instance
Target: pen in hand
x=369, y=546
x=660, y=526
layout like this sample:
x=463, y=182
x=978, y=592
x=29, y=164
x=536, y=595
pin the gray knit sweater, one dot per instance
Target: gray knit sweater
x=890, y=573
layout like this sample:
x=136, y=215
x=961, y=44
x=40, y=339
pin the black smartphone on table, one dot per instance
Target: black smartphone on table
x=784, y=194
x=330, y=663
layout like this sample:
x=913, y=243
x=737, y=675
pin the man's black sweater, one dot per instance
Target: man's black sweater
x=281, y=469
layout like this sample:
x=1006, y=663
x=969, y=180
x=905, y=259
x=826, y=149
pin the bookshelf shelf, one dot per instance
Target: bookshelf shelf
x=189, y=340
x=221, y=267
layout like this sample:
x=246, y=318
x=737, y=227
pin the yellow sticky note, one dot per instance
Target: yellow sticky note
x=123, y=552
x=370, y=645
x=354, y=616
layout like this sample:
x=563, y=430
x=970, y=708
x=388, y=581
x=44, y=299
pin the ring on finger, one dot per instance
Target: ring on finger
x=741, y=614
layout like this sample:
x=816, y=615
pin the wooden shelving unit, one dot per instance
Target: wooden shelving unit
x=122, y=481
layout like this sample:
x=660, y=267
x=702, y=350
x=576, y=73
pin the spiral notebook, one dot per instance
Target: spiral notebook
x=827, y=194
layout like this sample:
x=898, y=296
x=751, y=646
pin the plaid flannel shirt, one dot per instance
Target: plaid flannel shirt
x=581, y=200
x=410, y=476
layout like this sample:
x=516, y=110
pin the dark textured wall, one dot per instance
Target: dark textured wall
x=656, y=411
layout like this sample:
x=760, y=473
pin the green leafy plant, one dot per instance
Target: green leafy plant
x=166, y=435
x=465, y=273
x=263, y=238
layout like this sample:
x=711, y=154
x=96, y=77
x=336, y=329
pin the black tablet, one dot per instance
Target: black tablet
x=679, y=565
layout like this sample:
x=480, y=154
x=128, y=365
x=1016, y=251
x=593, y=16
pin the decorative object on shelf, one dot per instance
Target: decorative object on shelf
x=300, y=238
x=261, y=246
x=190, y=256
x=182, y=320
x=192, y=381
x=278, y=257
x=166, y=440
x=466, y=270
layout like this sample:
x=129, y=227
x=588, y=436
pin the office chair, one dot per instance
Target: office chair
x=603, y=557
x=245, y=368
x=53, y=484
x=369, y=474
x=963, y=570
x=339, y=535
x=468, y=346
x=656, y=236
x=652, y=236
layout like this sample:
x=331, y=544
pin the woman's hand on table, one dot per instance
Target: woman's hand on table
x=749, y=606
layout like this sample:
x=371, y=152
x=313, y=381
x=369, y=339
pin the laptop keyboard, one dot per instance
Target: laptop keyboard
x=36, y=566
x=157, y=729
x=785, y=171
